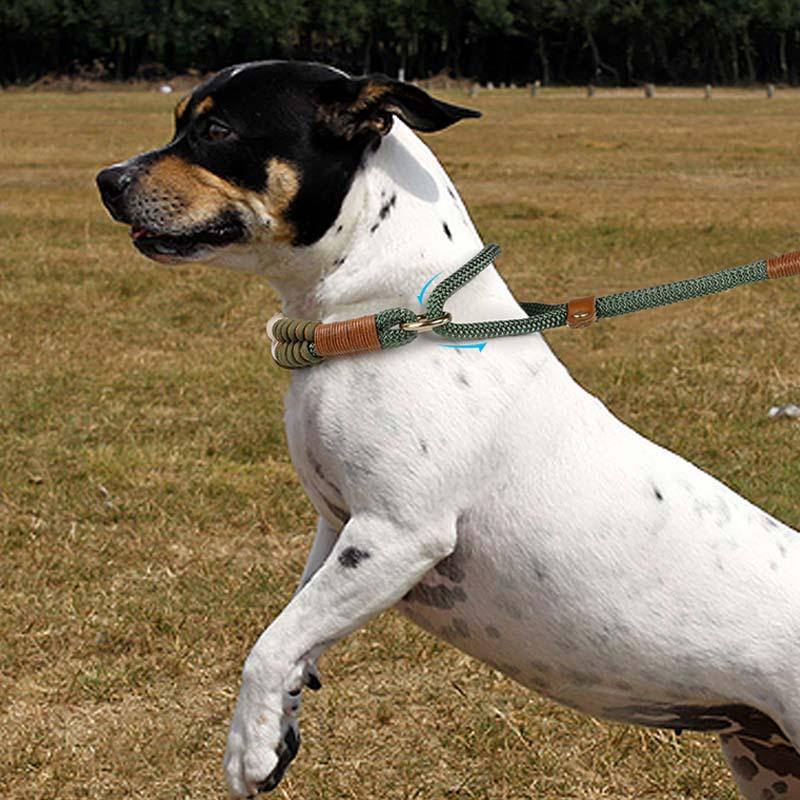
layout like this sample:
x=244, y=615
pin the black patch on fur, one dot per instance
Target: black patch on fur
x=447, y=231
x=658, y=494
x=780, y=787
x=350, y=557
x=782, y=759
x=739, y=720
x=745, y=768
x=300, y=114
x=286, y=753
x=313, y=682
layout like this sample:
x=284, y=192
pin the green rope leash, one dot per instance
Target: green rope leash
x=303, y=343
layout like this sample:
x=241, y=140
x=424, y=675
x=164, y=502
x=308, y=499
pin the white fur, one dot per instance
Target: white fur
x=569, y=573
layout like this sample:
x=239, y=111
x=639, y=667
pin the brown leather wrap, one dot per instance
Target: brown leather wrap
x=784, y=266
x=358, y=335
x=581, y=312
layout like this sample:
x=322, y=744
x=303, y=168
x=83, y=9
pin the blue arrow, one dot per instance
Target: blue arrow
x=466, y=346
x=425, y=287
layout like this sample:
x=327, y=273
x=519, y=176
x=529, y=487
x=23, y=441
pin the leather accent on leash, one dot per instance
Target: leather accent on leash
x=303, y=343
x=784, y=266
x=350, y=336
x=582, y=312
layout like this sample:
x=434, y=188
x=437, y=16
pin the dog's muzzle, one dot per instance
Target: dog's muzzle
x=160, y=232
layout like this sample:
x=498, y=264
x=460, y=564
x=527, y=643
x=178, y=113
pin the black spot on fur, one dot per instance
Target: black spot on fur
x=447, y=231
x=745, y=768
x=782, y=759
x=780, y=787
x=423, y=447
x=384, y=212
x=462, y=379
x=350, y=557
x=461, y=628
x=492, y=632
x=387, y=207
x=658, y=494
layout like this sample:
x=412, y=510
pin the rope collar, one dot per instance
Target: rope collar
x=304, y=343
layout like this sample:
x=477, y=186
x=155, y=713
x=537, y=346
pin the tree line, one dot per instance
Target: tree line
x=611, y=42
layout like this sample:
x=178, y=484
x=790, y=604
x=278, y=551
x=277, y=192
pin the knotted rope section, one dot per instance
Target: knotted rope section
x=304, y=343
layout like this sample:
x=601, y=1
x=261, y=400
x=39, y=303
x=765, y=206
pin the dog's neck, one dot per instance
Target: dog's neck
x=401, y=224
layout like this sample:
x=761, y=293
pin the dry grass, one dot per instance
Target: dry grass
x=152, y=524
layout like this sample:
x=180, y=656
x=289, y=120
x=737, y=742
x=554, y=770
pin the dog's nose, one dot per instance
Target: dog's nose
x=112, y=183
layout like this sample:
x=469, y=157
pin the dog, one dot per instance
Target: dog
x=490, y=498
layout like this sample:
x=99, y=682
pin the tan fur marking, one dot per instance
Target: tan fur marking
x=204, y=195
x=372, y=93
x=206, y=104
x=283, y=184
x=183, y=104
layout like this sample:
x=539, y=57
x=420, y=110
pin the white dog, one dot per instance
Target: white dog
x=487, y=495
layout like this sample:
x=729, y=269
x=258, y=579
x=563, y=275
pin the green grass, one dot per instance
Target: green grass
x=151, y=521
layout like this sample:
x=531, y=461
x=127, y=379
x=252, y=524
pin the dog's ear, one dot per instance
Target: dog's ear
x=351, y=106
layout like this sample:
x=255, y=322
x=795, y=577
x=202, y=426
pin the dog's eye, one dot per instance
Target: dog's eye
x=217, y=132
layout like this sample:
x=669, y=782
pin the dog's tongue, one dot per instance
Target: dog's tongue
x=137, y=233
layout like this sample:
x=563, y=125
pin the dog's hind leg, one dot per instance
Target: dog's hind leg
x=764, y=762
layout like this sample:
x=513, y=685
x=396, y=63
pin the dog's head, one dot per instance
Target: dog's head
x=261, y=151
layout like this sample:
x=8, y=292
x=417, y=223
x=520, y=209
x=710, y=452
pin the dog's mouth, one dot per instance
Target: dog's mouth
x=170, y=248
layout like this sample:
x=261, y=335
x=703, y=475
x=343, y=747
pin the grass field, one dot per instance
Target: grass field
x=151, y=523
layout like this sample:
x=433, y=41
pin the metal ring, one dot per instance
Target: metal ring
x=423, y=324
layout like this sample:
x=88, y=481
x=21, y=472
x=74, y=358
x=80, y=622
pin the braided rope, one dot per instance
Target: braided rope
x=293, y=340
x=639, y=299
x=542, y=316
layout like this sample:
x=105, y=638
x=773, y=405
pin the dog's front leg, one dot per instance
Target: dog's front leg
x=373, y=564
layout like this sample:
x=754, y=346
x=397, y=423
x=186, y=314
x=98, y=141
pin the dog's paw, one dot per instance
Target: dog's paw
x=263, y=740
x=256, y=759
